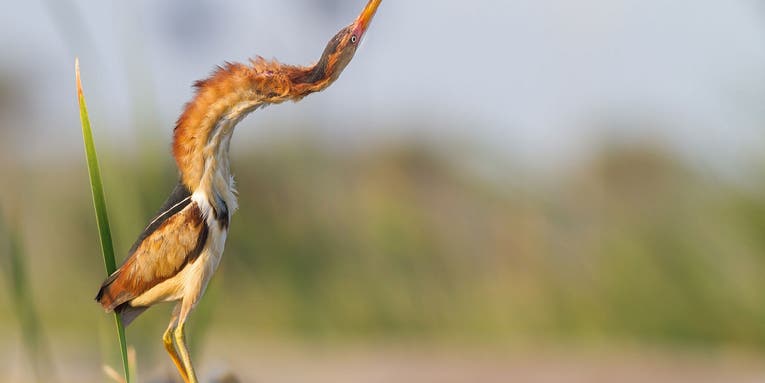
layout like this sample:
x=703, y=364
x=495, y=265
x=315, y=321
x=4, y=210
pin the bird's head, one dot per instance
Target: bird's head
x=342, y=47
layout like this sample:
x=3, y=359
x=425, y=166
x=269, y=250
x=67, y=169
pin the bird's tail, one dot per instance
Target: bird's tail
x=128, y=313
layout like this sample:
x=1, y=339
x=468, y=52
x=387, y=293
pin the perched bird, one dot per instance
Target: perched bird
x=177, y=253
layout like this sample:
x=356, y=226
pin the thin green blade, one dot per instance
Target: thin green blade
x=102, y=218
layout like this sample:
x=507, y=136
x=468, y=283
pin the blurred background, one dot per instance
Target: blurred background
x=535, y=191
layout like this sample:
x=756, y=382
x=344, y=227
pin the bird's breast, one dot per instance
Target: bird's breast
x=197, y=275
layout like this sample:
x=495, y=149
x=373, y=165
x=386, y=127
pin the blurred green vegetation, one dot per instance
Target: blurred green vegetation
x=16, y=274
x=405, y=241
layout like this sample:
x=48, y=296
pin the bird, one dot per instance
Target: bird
x=178, y=252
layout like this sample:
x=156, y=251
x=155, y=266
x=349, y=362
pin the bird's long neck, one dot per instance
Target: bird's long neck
x=203, y=132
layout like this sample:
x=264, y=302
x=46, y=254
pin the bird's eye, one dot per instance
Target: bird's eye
x=353, y=39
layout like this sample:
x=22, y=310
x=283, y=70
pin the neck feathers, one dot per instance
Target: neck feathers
x=203, y=131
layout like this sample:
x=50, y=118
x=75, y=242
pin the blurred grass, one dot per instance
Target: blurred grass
x=16, y=273
x=406, y=242
x=99, y=204
x=403, y=242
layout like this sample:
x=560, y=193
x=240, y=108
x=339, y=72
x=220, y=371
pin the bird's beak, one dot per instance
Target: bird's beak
x=365, y=18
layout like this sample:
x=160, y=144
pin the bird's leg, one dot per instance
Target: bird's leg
x=180, y=340
x=167, y=339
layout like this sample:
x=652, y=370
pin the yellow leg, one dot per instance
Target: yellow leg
x=180, y=341
x=167, y=339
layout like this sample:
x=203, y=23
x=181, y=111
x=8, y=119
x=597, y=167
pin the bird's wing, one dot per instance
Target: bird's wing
x=159, y=255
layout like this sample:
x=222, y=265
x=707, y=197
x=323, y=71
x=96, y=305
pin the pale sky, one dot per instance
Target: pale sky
x=528, y=78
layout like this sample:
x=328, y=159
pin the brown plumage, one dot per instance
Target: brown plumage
x=179, y=251
x=242, y=86
x=161, y=255
x=232, y=85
